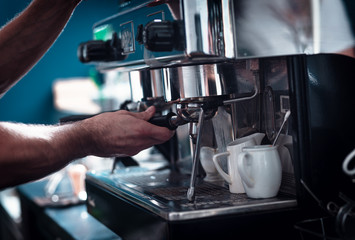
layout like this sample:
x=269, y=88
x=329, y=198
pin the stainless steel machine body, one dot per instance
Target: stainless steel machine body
x=200, y=60
x=180, y=32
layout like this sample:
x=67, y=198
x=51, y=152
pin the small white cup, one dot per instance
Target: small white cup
x=234, y=148
x=206, y=155
x=260, y=170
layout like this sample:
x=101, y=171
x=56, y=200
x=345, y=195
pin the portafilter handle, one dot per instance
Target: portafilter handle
x=170, y=121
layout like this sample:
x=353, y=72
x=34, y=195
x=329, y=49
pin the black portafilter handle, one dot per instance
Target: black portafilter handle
x=170, y=121
x=167, y=121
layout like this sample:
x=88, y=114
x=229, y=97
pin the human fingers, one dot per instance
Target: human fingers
x=143, y=131
x=159, y=134
x=146, y=115
x=148, y=129
x=146, y=141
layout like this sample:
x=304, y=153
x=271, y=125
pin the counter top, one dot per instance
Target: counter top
x=66, y=222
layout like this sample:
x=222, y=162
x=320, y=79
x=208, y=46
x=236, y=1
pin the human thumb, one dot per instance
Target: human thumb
x=147, y=114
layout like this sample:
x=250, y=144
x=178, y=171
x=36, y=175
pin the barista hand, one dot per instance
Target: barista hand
x=123, y=132
x=29, y=152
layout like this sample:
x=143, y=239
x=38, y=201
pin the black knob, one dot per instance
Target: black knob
x=139, y=36
x=161, y=36
x=98, y=50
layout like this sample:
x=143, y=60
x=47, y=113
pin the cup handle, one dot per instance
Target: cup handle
x=218, y=167
x=346, y=162
x=241, y=169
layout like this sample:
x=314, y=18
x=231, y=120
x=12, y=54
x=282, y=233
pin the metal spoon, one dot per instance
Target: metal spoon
x=288, y=113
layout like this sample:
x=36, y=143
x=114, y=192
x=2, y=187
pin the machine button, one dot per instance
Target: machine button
x=161, y=36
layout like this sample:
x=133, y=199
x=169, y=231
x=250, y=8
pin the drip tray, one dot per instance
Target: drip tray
x=164, y=194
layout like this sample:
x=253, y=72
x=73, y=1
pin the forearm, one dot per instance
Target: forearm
x=25, y=39
x=348, y=52
x=30, y=152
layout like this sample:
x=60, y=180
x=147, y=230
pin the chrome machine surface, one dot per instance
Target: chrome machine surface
x=226, y=70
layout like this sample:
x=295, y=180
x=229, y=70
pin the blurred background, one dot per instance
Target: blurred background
x=31, y=99
x=350, y=7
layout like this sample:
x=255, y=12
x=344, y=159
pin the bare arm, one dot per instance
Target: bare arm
x=348, y=52
x=25, y=39
x=29, y=152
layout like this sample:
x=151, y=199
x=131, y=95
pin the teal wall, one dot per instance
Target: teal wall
x=31, y=99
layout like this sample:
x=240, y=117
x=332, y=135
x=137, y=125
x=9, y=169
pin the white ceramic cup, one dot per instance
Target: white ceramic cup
x=260, y=170
x=206, y=155
x=234, y=148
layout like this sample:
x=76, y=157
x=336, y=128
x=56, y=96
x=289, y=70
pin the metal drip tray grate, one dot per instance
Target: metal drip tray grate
x=164, y=193
x=179, y=193
x=206, y=195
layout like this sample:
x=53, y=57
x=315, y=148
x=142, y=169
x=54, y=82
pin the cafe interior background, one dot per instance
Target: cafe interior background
x=32, y=99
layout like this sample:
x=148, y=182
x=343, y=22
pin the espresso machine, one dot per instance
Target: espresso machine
x=196, y=63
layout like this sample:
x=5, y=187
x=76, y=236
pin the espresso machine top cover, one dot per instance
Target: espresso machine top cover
x=182, y=32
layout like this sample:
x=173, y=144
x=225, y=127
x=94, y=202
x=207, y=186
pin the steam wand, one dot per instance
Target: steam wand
x=287, y=115
x=196, y=157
